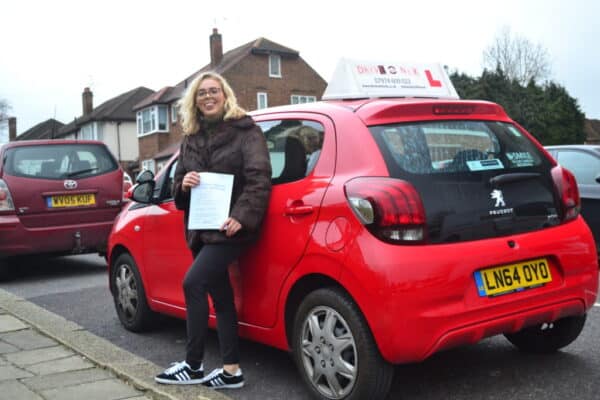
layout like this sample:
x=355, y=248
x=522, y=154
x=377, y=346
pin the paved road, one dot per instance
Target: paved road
x=76, y=288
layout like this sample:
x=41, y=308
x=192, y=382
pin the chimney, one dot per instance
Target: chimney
x=12, y=129
x=216, y=48
x=87, y=101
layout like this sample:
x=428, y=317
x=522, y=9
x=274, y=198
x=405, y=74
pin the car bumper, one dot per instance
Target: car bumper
x=16, y=239
x=427, y=299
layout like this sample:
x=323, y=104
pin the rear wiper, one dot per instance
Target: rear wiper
x=513, y=177
x=81, y=171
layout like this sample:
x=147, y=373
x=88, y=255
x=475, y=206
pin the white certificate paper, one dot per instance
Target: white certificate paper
x=210, y=201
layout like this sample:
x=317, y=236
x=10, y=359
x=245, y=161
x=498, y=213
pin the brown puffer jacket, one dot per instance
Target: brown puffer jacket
x=236, y=147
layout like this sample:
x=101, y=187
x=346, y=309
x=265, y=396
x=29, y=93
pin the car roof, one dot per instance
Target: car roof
x=374, y=111
x=574, y=146
x=591, y=148
x=22, y=143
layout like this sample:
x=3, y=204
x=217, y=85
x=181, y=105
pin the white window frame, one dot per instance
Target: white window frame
x=301, y=98
x=160, y=165
x=88, y=131
x=274, y=66
x=149, y=164
x=164, y=110
x=152, y=114
x=262, y=100
x=174, y=112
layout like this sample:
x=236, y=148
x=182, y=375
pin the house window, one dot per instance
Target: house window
x=152, y=119
x=261, y=100
x=162, y=118
x=298, y=98
x=148, y=165
x=174, y=112
x=89, y=132
x=161, y=164
x=274, y=66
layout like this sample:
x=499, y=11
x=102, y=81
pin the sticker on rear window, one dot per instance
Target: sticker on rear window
x=482, y=165
x=520, y=159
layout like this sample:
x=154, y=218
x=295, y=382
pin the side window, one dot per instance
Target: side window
x=294, y=147
x=168, y=185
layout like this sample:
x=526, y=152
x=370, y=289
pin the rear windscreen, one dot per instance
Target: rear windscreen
x=476, y=179
x=59, y=161
x=455, y=146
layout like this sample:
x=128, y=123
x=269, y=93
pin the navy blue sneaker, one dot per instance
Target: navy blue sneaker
x=219, y=379
x=180, y=373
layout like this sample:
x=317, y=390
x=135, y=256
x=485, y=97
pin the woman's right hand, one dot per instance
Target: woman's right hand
x=190, y=180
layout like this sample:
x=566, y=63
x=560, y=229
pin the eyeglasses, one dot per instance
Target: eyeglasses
x=213, y=91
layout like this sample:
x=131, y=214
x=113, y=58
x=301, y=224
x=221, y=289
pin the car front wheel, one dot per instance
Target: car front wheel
x=549, y=336
x=335, y=351
x=129, y=295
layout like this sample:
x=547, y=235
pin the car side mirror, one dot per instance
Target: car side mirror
x=143, y=192
x=598, y=178
x=144, y=176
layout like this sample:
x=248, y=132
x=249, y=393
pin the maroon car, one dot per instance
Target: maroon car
x=57, y=196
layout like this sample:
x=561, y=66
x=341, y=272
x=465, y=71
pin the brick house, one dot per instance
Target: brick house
x=113, y=122
x=262, y=74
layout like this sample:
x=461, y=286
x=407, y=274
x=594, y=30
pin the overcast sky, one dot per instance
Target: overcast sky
x=51, y=50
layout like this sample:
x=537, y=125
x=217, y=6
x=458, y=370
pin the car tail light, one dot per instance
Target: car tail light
x=566, y=185
x=6, y=202
x=391, y=209
x=464, y=109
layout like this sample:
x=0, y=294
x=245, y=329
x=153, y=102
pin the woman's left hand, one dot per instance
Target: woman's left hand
x=231, y=226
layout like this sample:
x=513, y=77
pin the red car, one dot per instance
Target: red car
x=57, y=197
x=396, y=228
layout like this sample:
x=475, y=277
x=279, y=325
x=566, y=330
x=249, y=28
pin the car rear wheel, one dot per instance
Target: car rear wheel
x=549, y=336
x=129, y=295
x=335, y=351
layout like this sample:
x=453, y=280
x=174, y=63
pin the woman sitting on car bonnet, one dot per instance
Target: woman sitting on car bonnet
x=218, y=137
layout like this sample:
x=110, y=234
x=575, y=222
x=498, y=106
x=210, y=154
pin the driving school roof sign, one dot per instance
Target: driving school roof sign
x=359, y=79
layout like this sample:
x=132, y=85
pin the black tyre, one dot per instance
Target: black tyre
x=129, y=295
x=548, y=337
x=334, y=350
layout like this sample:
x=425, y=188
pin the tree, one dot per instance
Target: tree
x=4, y=108
x=517, y=57
x=548, y=112
x=563, y=118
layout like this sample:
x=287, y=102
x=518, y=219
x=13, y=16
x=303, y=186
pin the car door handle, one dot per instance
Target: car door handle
x=298, y=210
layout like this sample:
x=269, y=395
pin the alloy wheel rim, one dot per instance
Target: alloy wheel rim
x=127, y=297
x=329, y=353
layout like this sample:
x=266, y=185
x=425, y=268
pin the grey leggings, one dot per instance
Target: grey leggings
x=209, y=275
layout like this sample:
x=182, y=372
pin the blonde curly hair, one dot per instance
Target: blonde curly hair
x=189, y=113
